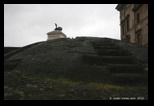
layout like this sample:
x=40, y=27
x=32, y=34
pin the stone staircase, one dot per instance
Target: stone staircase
x=123, y=66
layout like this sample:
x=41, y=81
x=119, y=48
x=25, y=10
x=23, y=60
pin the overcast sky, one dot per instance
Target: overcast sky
x=28, y=23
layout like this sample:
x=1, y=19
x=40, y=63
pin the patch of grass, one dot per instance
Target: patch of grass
x=47, y=88
x=66, y=82
x=105, y=86
x=62, y=81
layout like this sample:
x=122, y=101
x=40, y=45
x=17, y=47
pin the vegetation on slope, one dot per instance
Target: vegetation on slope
x=60, y=70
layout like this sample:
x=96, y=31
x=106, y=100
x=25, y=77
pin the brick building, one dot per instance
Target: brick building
x=134, y=23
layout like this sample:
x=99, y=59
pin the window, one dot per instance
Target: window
x=127, y=23
x=137, y=18
x=123, y=29
x=125, y=26
x=138, y=37
x=127, y=38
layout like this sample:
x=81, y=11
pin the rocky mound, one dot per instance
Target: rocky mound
x=73, y=66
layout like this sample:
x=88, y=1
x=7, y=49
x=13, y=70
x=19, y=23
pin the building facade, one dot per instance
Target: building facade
x=134, y=23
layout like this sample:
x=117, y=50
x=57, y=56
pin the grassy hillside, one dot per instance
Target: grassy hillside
x=77, y=69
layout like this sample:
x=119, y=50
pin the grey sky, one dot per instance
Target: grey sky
x=28, y=23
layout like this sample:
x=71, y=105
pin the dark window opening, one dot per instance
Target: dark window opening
x=137, y=18
x=138, y=37
x=127, y=38
x=123, y=29
x=127, y=24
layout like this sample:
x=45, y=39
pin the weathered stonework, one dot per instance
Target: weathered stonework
x=55, y=35
x=134, y=23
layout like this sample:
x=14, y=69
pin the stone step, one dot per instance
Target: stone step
x=102, y=44
x=106, y=47
x=111, y=52
x=129, y=78
x=126, y=68
x=100, y=60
